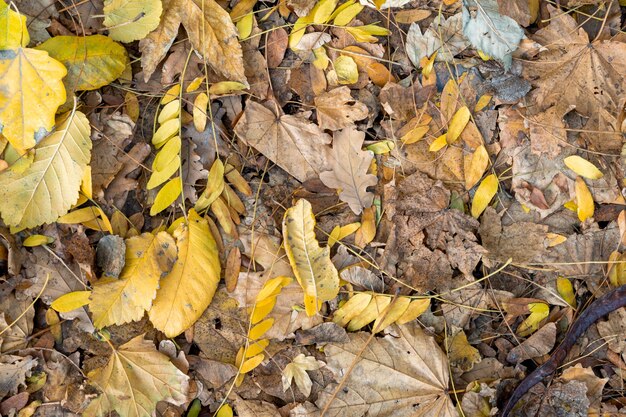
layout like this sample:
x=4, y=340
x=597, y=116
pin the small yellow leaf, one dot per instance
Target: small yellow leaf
x=617, y=269
x=367, y=231
x=341, y=8
x=367, y=33
x=214, y=186
x=438, y=143
x=237, y=181
x=415, y=135
x=222, y=213
x=457, y=124
x=260, y=329
x=172, y=94
x=373, y=310
x=583, y=167
x=200, y=112
x=584, y=200
x=251, y=363
x=271, y=287
x=346, y=69
x=311, y=264
x=538, y=312
x=415, y=309
x=427, y=64
x=321, y=58
x=474, y=170
x=484, y=193
x=170, y=111
x=166, y=131
x=226, y=87
x=86, y=186
x=381, y=147
x=37, y=240
x=571, y=206
x=256, y=347
x=482, y=102
x=13, y=33
x=461, y=353
x=322, y=11
x=245, y=26
x=298, y=30
x=167, y=195
x=71, y=301
x=566, y=290
x=346, y=15
x=449, y=97
x=159, y=177
x=391, y=314
x=555, y=239
x=224, y=411
x=352, y=308
x=341, y=232
x=195, y=84
x=131, y=20
x=88, y=216
x=262, y=309
x=165, y=156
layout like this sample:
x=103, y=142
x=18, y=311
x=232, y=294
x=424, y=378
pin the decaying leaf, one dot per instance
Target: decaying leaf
x=349, y=174
x=49, y=186
x=295, y=144
x=136, y=377
x=311, y=263
x=337, y=109
x=188, y=289
x=296, y=370
x=444, y=36
x=403, y=376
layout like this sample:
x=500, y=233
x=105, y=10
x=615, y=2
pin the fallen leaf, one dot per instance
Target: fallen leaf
x=484, y=193
x=295, y=144
x=311, y=264
x=350, y=166
x=188, y=289
x=461, y=354
x=443, y=36
x=583, y=167
x=71, y=301
x=16, y=33
x=296, y=371
x=49, y=187
x=131, y=20
x=336, y=109
x=13, y=372
x=136, y=377
x=584, y=200
x=537, y=345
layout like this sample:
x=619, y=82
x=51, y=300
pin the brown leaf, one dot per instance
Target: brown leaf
x=337, y=109
x=295, y=144
x=539, y=344
x=277, y=42
x=349, y=174
x=193, y=171
x=13, y=372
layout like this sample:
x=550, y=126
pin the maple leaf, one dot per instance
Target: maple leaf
x=119, y=301
x=337, y=109
x=296, y=370
x=401, y=373
x=211, y=33
x=350, y=166
x=188, y=289
x=136, y=377
x=294, y=143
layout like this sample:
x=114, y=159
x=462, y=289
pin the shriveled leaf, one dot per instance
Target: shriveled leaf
x=443, y=36
x=484, y=193
x=311, y=264
x=117, y=301
x=406, y=376
x=295, y=144
x=337, y=109
x=349, y=173
x=211, y=33
x=91, y=61
x=31, y=90
x=188, y=289
x=583, y=167
x=49, y=186
x=131, y=20
x=136, y=377
x=13, y=31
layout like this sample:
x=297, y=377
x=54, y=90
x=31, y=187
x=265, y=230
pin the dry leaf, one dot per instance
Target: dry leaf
x=337, y=109
x=295, y=144
x=350, y=166
x=131, y=20
x=296, y=370
x=13, y=372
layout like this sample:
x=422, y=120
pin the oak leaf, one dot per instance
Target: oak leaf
x=136, y=377
x=188, y=289
x=119, y=301
x=49, y=186
x=349, y=173
x=336, y=109
x=211, y=33
x=294, y=143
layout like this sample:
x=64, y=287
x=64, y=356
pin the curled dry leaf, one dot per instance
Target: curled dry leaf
x=350, y=165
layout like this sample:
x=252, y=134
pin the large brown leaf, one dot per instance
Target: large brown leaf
x=336, y=109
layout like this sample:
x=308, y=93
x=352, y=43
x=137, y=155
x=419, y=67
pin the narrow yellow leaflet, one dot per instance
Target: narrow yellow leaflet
x=71, y=301
x=158, y=177
x=484, y=193
x=167, y=195
x=415, y=135
x=37, y=240
x=245, y=26
x=195, y=84
x=86, y=185
x=226, y=87
x=340, y=9
x=79, y=215
x=119, y=301
x=457, y=124
x=131, y=20
x=91, y=61
x=224, y=411
x=566, y=290
x=584, y=200
x=271, y=286
x=171, y=94
x=260, y=329
x=583, y=167
x=475, y=166
x=200, y=111
x=298, y=30
x=322, y=11
x=415, y=309
x=257, y=347
x=31, y=91
x=374, y=309
x=341, y=232
x=311, y=264
x=13, y=32
x=252, y=363
x=352, y=308
x=346, y=15
x=166, y=155
x=166, y=131
x=538, y=312
x=49, y=186
x=214, y=186
x=482, y=102
x=170, y=111
x=188, y=289
x=392, y=313
x=438, y=143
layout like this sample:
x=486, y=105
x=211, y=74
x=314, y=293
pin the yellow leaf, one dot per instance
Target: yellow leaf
x=555, y=239
x=226, y=87
x=584, y=200
x=538, y=312
x=164, y=157
x=484, y=193
x=251, y=363
x=131, y=20
x=260, y=329
x=256, y=347
x=134, y=380
x=415, y=309
x=224, y=411
x=37, y=240
x=391, y=314
x=214, y=186
x=13, y=32
x=195, y=84
x=322, y=11
x=119, y=301
x=188, y=289
x=272, y=287
x=86, y=186
x=438, y=143
x=298, y=30
x=200, y=111
x=71, y=301
x=373, y=310
x=367, y=231
x=167, y=195
x=366, y=33
x=245, y=26
x=461, y=354
x=341, y=232
x=617, y=269
x=449, y=97
x=381, y=147
x=427, y=64
x=346, y=15
x=171, y=94
x=31, y=90
x=159, y=177
x=262, y=309
x=321, y=58
x=566, y=290
x=49, y=186
x=571, y=206
x=583, y=167
x=166, y=131
x=352, y=308
x=311, y=264
x=170, y=111
x=91, y=61
x=482, y=102
x=415, y=135
x=346, y=69
x=457, y=124
x=88, y=216
x=474, y=170
x=236, y=180
x=220, y=209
